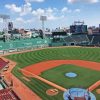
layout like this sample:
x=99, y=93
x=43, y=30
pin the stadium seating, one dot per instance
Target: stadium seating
x=80, y=38
x=77, y=39
x=7, y=94
x=3, y=63
x=90, y=37
x=94, y=39
x=69, y=39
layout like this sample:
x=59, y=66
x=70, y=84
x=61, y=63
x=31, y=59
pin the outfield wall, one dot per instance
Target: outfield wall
x=25, y=44
x=33, y=43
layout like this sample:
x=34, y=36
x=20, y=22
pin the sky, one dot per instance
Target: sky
x=60, y=13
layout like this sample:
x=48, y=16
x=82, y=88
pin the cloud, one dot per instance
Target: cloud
x=77, y=10
x=13, y=8
x=38, y=12
x=66, y=10
x=26, y=15
x=39, y=1
x=26, y=9
x=87, y=1
x=22, y=10
x=52, y=17
x=23, y=21
x=51, y=13
x=19, y=19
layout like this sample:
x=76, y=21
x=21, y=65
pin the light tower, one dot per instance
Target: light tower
x=43, y=19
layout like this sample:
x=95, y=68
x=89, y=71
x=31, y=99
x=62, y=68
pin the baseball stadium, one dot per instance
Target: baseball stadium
x=56, y=67
x=44, y=64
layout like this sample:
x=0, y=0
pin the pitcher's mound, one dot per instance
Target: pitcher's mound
x=52, y=92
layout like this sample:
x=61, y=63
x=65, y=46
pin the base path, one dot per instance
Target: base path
x=38, y=68
x=29, y=74
x=94, y=86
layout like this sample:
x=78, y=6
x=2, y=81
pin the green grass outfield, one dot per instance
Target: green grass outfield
x=25, y=59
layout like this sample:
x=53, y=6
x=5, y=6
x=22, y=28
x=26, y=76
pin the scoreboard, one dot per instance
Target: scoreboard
x=75, y=29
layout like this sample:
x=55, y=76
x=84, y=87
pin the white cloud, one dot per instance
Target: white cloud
x=26, y=9
x=38, y=12
x=23, y=21
x=77, y=10
x=87, y=1
x=19, y=20
x=22, y=10
x=65, y=9
x=13, y=8
x=34, y=0
x=49, y=12
x=53, y=13
x=33, y=15
x=52, y=17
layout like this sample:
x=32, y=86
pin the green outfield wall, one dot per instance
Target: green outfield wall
x=25, y=43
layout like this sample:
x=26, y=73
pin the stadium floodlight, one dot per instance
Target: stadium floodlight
x=43, y=19
x=4, y=16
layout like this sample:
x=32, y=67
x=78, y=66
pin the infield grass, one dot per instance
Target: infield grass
x=85, y=77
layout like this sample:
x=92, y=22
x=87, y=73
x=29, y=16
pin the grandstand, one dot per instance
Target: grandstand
x=5, y=92
x=8, y=94
x=80, y=38
x=3, y=64
x=71, y=40
x=94, y=40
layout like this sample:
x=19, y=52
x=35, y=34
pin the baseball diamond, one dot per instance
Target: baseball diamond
x=46, y=68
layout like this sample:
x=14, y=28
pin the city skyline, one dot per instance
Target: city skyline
x=26, y=13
